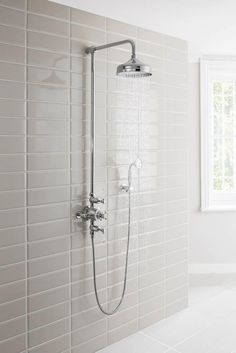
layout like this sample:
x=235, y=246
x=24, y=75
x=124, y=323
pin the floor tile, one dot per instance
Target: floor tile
x=137, y=343
x=178, y=327
x=218, y=338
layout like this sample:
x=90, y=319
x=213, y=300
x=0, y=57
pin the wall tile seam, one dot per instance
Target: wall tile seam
x=12, y=26
x=13, y=8
x=31, y=348
x=13, y=337
x=164, y=268
x=2, y=323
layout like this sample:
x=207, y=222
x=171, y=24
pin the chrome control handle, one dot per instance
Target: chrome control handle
x=95, y=199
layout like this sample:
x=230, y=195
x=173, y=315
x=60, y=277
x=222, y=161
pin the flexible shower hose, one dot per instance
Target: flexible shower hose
x=126, y=261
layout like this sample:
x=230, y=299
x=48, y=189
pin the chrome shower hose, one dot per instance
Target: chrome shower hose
x=126, y=266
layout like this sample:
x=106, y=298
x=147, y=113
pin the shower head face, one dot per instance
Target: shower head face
x=134, y=68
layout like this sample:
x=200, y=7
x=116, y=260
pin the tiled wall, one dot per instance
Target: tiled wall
x=46, y=292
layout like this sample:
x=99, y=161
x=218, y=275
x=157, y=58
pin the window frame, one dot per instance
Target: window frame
x=213, y=68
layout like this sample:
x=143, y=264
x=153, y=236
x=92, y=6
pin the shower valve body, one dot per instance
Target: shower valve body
x=90, y=213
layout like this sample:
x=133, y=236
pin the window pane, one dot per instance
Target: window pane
x=223, y=135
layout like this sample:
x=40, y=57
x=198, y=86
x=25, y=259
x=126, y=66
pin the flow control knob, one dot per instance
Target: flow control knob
x=95, y=199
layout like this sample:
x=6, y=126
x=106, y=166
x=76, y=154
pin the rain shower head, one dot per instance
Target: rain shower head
x=133, y=68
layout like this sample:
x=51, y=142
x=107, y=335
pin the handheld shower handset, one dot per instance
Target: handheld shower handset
x=128, y=187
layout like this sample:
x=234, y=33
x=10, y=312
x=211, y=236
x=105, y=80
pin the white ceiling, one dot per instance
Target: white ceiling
x=208, y=25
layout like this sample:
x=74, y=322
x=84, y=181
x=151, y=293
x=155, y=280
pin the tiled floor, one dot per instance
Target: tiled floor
x=207, y=326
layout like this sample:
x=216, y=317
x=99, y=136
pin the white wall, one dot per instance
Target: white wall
x=207, y=25
x=212, y=234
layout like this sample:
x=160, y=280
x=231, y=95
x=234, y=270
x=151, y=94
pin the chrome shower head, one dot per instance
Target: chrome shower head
x=133, y=68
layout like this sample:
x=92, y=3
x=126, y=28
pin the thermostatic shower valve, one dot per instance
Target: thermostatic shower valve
x=92, y=214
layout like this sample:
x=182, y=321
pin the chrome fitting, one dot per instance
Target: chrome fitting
x=94, y=228
x=95, y=199
x=90, y=213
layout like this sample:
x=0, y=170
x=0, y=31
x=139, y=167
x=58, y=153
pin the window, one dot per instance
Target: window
x=218, y=134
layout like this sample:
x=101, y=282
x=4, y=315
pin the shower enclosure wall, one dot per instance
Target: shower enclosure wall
x=47, y=301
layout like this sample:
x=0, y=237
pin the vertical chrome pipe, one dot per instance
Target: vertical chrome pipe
x=93, y=142
x=92, y=179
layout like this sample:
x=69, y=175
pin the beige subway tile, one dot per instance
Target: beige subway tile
x=177, y=282
x=12, y=126
x=147, y=279
x=12, y=17
x=177, y=257
x=176, y=306
x=38, y=144
x=49, y=315
x=48, y=195
x=86, y=318
x=12, y=291
x=49, y=229
x=48, y=264
x=44, y=213
x=87, y=34
x=47, y=127
x=12, y=328
x=148, y=293
x=14, y=345
x=152, y=264
x=123, y=317
x=12, y=90
x=10, y=108
x=12, y=72
x=12, y=273
x=151, y=318
x=151, y=36
x=48, y=161
x=48, y=93
x=12, y=53
x=87, y=18
x=12, y=310
x=151, y=49
x=43, y=334
x=12, y=199
x=177, y=231
x=48, y=247
x=47, y=110
x=12, y=218
x=42, y=58
x=12, y=144
x=12, y=236
x=17, y=4
x=54, y=346
x=48, y=281
x=176, y=269
x=44, y=7
x=91, y=345
x=12, y=35
x=12, y=181
x=87, y=333
x=121, y=28
x=123, y=331
x=86, y=286
x=49, y=42
x=48, y=178
x=43, y=24
x=155, y=304
x=87, y=301
x=48, y=77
